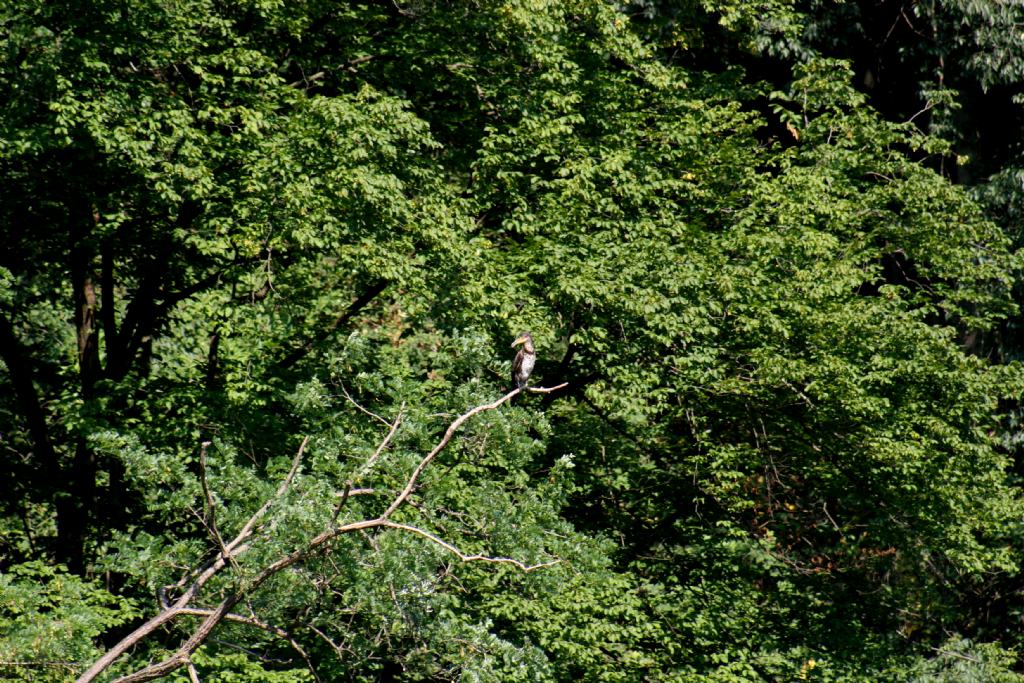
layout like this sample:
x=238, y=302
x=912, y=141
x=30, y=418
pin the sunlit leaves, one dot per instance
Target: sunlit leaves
x=774, y=458
x=49, y=618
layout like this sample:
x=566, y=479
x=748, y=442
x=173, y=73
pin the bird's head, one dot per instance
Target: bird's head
x=523, y=338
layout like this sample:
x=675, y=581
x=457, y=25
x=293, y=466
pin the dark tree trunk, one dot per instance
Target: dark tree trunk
x=75, y=503
x=46, y=472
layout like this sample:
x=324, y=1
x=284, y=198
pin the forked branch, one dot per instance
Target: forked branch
x=171, y=610
x=449, y=433
x=175, y=605
x=463, y=556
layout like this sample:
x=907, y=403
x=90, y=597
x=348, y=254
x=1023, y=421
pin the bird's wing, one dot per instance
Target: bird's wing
x=517, y=364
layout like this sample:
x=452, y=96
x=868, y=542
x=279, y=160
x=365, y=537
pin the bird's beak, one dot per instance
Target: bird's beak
x=517, y=342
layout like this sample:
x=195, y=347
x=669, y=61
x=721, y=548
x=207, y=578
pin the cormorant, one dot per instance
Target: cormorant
x=522, y=366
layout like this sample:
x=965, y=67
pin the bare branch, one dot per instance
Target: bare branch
x=210, y=516
x=213, y=617
x=546, y=390
x=385, y=442
x=38, y=664
x=958, y=655
x=341, y=502
x=463, y=556
x=204, y=574
x=372, y=291
x=181, y=657
x=452, y=428
x=357, y=492
x=365, y=411
x=247, y=529
x=338, y=650
x=169, y=613
x=260, y=624
x=234, y=548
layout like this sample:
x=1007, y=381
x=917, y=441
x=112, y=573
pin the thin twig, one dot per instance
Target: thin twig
x=341, y=502
x=546, y=390
x=824, y=507
x=387, y=440
x=358, y=492
x=210, y=516
x=247, y=529
x=928, y=107
x=256, y=622
x=362, y=409
x=30, y=663
x=205, y=573
x=338, y=650
x=463, y=556
x=958, y=655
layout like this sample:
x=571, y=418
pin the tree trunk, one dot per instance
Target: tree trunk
x=75, y=501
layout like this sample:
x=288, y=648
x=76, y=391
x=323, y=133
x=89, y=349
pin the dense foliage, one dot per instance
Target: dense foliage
x=771, y=248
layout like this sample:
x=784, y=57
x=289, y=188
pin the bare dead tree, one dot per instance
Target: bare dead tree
x=178, y=599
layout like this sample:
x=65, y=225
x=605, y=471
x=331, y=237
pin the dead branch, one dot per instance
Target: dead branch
x=341, y=501
x=247, y=529
x=216, y=615
x=463, y=556
x=234, y=548
x=356, y=492
x=384, y=444
x=546, y=390
x=411, y=483
x=338, y=650
x=371, y=293
x=230, y=551
x=365, y=411
x=202, y=576
x=154, y=623
x=255, y=622
x=210, y=516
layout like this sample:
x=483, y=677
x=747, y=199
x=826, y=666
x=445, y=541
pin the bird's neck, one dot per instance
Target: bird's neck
x=528, y=347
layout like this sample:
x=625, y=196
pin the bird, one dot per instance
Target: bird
x=522, y=366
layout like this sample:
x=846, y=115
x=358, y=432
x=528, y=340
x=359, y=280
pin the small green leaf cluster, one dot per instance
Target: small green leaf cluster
x=50, y=619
